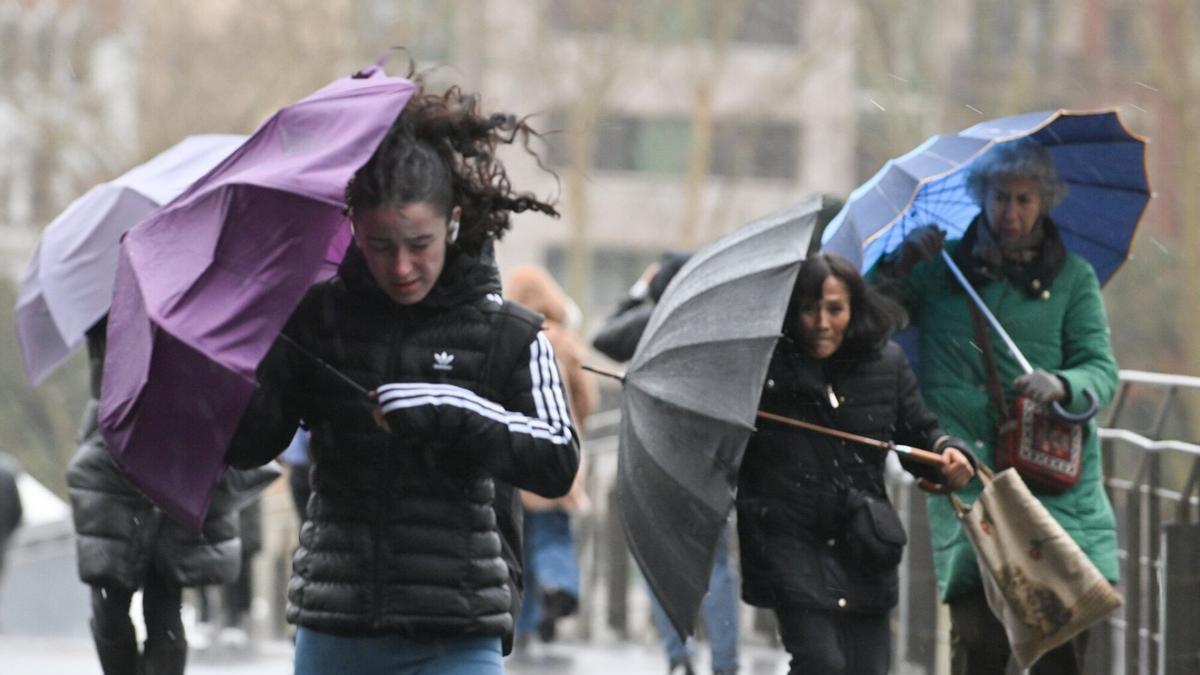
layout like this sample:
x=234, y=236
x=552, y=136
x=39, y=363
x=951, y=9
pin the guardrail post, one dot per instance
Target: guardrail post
x=1179, y=652
x=921, y=608
x=618, y=569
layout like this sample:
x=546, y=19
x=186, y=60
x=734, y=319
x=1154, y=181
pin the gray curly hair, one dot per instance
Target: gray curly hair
x=1023, y=158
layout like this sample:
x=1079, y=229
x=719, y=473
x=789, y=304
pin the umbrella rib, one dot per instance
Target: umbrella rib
x=773, y=335
x=674, y=309
x=691, y=411
x=208, y=190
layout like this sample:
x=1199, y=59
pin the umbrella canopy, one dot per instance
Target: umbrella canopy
x=690, y=399
x=1101, y=160
x=205, y=285
x=68, y=284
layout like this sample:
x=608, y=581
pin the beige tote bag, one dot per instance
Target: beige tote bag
x=1038, y=582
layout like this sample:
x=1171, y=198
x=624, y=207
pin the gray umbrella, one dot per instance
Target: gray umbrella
x=691, y=395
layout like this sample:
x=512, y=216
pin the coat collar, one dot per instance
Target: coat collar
x=1034, y=277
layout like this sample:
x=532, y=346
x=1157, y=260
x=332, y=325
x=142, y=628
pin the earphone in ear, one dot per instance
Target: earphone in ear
x=452, y=235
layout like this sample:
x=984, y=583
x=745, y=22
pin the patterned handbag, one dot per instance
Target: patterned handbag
x=1046, y=451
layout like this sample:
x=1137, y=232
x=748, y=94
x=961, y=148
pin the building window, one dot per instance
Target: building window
x=1123, y=44
x=614, y=146
x=770, y=22
x=756, y=150
x=424, y=29
x=582, y=15
x=661, y=145
x=774, y=22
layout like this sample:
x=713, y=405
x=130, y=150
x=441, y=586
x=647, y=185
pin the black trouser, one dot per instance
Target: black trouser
x=238, y=595
x=161, y=603
x=837, y=643
x=979, y=646
x=116, y=642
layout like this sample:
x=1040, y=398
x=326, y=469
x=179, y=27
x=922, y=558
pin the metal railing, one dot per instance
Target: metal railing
x=1154, y=486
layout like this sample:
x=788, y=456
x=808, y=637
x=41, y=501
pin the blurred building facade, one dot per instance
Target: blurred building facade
x=668, y=123
x=68, y=116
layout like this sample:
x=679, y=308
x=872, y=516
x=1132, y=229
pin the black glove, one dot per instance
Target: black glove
x=1042, y=387
x=922, y=243
x=437, y=412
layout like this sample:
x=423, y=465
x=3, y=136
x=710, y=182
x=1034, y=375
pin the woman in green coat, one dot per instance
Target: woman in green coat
x=1049, y=301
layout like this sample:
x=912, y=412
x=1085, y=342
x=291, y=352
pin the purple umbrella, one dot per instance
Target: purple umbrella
x=206, y=283
x=69, y=282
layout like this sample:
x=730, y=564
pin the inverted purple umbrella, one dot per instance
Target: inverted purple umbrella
x=206, y=283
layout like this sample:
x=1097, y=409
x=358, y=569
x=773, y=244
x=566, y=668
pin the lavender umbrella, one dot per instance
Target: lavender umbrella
x=205, y=285
x=68, y=284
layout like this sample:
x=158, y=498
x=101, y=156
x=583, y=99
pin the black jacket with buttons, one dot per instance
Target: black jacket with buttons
x=403, y=534
x=793, y=483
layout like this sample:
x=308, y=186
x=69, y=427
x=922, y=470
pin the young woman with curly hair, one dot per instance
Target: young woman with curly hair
x=407, y=560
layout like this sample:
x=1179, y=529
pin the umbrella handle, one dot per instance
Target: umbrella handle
x=1060, y=413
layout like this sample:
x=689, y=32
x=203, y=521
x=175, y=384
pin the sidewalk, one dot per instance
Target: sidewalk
x=74, y=656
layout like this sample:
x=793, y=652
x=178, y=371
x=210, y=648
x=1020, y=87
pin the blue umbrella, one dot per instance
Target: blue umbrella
x=1101, y=160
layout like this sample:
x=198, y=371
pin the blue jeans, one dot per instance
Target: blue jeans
x=550, y=563
x=720, y=611
x=324, y=654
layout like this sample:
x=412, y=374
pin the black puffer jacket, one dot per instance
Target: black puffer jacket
x=793, y=483
x=120, y=533
x=402, y=534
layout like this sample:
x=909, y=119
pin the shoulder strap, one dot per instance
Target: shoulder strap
x=984, y=338
x=516, y=327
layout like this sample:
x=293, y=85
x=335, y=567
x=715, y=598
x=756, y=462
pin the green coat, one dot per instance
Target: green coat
x=1064, y=332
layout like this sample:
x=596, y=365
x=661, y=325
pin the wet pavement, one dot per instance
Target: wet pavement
x=74, y=656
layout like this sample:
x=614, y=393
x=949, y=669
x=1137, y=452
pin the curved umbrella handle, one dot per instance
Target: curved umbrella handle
x=1060, y=413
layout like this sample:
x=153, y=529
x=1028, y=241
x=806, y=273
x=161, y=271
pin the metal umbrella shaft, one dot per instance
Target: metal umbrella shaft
x=987, y=314
x=1055, y=407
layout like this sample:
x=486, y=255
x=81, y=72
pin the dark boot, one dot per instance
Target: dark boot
x=165, y=656
x=680, y=668
x=555, y=605
x=118, y=654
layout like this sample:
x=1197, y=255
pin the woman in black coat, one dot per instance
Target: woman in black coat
x=125, y=543
x=800, y=493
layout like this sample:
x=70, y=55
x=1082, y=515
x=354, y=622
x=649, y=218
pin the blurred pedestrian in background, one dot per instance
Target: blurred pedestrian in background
x=295, y=457
x=125, y=544
x=617, y=339
x=551, y=561
x=618, y=336
x=409, y=560
x=11, y=511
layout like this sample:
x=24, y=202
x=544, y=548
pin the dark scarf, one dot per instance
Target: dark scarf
x=1030, y=265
